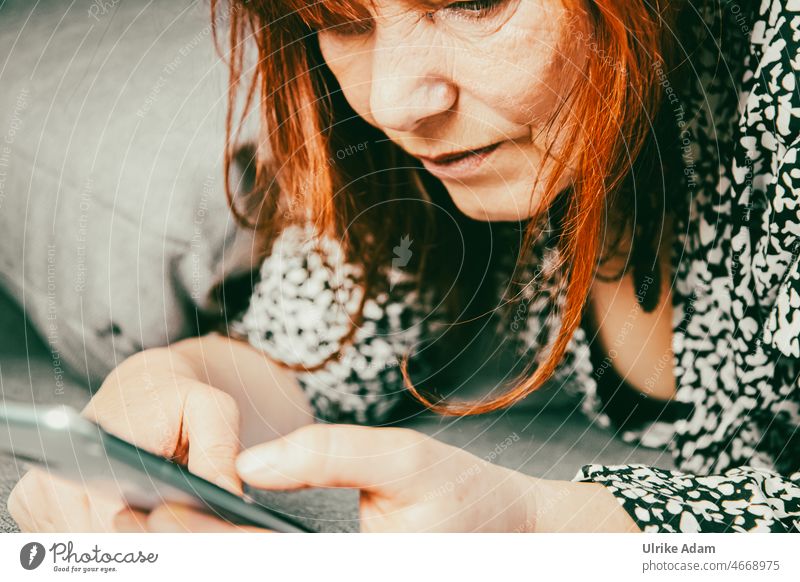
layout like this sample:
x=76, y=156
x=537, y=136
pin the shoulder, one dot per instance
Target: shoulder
x=306, y=311
x=308, y=300
x=775, y=53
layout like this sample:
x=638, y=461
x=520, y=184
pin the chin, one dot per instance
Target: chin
x=484, y=215
x=507, y=208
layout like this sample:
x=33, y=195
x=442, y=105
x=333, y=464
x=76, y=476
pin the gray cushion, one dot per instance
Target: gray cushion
x=112, y=209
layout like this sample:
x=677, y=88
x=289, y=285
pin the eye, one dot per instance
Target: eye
x=475, y=8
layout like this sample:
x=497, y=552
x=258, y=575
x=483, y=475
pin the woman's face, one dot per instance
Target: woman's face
x=441, y=77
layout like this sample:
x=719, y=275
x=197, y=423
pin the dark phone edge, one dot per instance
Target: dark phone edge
x=226, y=504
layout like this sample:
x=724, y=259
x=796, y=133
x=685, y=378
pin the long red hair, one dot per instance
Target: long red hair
x=304, y=121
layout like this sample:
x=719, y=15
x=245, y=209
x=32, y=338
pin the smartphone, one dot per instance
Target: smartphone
x=60, y=440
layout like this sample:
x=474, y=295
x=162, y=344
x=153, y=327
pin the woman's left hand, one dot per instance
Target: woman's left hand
x=408, y=482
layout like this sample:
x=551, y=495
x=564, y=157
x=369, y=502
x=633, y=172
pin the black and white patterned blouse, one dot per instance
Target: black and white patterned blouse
x=736, y=301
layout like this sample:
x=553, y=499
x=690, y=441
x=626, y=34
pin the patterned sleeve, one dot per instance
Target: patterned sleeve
x=770, y=141
x=742, y=499
x=303, y=306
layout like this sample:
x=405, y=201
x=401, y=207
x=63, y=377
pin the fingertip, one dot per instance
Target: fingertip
x=232, y=484
x=168, y=518
x=129, y=520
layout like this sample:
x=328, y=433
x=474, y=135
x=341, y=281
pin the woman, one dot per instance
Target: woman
x=673, y=127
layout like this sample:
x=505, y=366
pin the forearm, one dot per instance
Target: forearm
x=566, y=506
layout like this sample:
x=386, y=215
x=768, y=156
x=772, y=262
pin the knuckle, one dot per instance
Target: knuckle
x=217, y=400
x=315, y=438
x=316, y=445
x=411, y=447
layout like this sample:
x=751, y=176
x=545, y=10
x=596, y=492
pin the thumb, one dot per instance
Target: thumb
x=379, y=460
x=211, y=422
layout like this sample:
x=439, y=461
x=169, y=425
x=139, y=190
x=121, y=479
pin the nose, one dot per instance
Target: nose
x=407, y=89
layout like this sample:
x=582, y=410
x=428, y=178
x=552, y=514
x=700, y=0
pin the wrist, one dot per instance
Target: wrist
x=569, y=506
x=551, y=509
x=527, y=515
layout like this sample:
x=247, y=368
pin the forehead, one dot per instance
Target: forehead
x=323, y=13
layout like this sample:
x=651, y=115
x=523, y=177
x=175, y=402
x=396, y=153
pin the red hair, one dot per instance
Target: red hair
x=303, y=121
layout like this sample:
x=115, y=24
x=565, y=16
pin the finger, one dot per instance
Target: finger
x=24, y=496
x=380, y=460
x=130, y=521
x=211, y=421
x=150, y=420
x=42, y=502
x=175, y=518
x=74, y=506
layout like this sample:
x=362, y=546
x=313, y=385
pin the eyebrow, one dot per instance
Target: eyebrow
x=323, y=13
x=408, y=3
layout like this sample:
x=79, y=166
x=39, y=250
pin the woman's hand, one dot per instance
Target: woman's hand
x=174, y=517
x=408, y=482
x=156, y=405
x=168, y=412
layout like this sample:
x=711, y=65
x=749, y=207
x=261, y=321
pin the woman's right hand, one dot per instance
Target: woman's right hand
x=158, y=407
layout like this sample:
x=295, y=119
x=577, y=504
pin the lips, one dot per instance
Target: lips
x=460, y=166
x=444, y=160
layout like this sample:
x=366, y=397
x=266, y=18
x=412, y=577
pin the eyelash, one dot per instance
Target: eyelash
x=475, y=8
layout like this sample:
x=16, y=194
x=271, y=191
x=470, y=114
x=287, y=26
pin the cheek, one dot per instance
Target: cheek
x=529, y=97
x=533, y=65
x=353, y=71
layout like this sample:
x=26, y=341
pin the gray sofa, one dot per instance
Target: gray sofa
x=115, y=225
